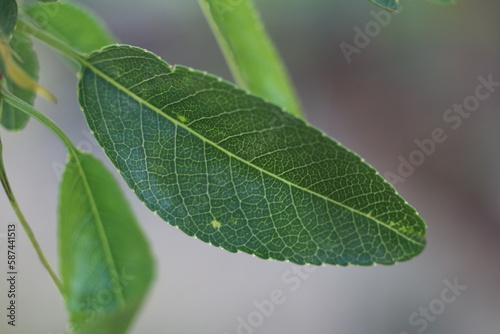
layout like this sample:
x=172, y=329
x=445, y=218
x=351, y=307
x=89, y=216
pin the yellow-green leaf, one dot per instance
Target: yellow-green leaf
x=253, y=59
x=22, y=46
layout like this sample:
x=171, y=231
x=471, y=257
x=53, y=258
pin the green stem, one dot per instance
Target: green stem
x=26, y=25
x=24, y=223
x=74, y=156
x=252, y=57
x=28, y=109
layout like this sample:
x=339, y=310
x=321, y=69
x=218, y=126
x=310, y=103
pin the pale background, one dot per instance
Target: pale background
x=395, y=91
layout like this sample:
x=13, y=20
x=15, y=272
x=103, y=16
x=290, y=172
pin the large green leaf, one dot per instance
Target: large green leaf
x=8, y=17
x=253, y=59
x=106, y=264
x=11, y=118
x=238, y=172
x=390, y=5
x=72, y=24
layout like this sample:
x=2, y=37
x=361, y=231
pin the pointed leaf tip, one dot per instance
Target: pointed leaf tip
x=390, y=5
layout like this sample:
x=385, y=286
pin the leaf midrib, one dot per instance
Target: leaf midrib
x=120, y=87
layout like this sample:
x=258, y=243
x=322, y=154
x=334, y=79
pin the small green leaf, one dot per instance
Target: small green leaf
x=253, y=59
x=11, y=118
x=8, y=17
x=238, y=172
x=390, y=5
x=72, y=24
x=106, y=264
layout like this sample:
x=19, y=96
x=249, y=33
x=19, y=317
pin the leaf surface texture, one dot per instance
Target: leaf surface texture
x=238, y=172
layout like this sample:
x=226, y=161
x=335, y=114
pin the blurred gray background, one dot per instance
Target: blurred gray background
x=394, y=91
